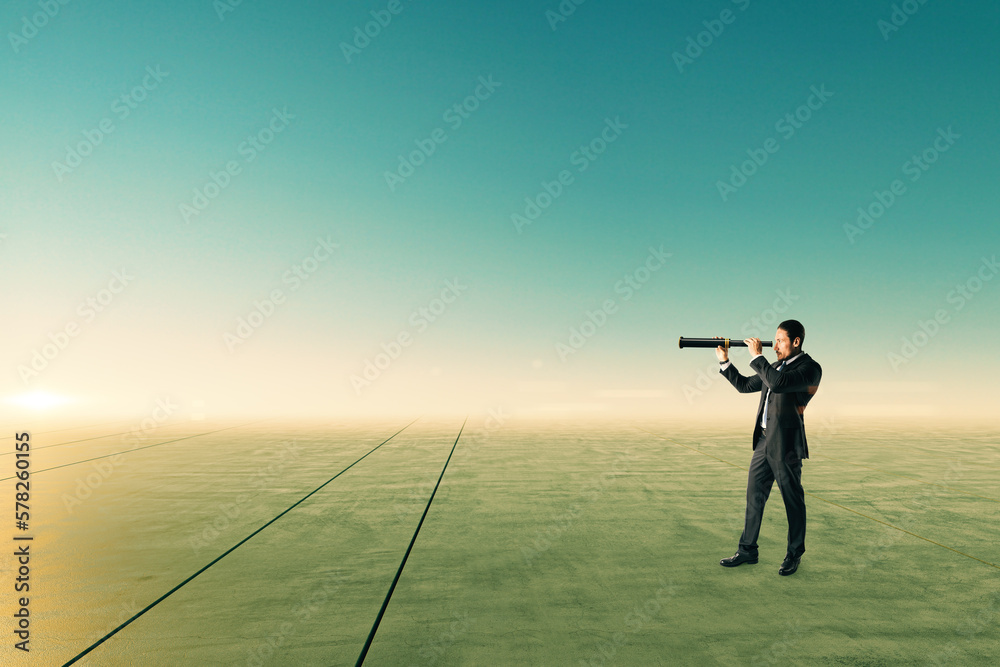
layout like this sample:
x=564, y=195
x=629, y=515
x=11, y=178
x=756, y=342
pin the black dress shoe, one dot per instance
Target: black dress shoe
x=738, y=559
x=789, y=565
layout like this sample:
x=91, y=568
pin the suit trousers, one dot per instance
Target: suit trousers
x=766, y=468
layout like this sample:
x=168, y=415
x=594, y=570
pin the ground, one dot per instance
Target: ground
x=545, y=544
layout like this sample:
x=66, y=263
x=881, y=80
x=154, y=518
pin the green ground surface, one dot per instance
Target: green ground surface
x=559, y=544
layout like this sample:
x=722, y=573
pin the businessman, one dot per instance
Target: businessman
x=779, y=437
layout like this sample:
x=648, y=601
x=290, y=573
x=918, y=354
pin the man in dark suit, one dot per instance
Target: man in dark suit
x=779, y=436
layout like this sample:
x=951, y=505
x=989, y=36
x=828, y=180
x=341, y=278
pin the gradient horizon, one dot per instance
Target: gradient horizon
x=461, y=200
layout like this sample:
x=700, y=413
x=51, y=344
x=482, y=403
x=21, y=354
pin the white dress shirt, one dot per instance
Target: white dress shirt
x=788, y=362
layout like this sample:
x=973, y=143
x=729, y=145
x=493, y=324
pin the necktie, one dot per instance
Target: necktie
x=763, y=421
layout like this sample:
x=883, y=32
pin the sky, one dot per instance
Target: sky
x=401, y=208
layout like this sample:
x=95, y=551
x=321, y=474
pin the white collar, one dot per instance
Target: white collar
x=788, y=362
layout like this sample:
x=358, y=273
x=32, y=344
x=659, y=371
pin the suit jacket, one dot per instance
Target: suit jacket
x=791, y=390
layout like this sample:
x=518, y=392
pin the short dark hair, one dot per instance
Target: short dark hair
x=794, y=329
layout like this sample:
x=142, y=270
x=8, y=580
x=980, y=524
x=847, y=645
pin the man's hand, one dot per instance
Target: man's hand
x=753, y=344
x=721, y=353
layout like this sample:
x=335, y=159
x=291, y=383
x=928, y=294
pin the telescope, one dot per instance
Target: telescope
x=726, y=343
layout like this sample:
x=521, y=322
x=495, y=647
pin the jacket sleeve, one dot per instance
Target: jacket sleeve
x=805, y=378
x=743, y=384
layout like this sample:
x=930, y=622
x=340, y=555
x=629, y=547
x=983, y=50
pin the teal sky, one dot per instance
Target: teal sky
x=347, y=123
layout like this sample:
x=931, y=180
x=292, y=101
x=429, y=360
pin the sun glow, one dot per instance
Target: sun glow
x=39, y=400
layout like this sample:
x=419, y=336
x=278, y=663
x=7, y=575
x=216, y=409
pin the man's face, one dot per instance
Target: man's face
x=782, y=346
